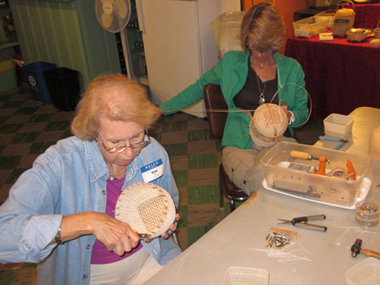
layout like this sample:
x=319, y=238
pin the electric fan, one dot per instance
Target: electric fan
x=113, y=16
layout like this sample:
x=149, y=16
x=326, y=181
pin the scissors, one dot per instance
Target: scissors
x=302, y=222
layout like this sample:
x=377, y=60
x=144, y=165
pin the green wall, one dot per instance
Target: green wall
x=65, y=33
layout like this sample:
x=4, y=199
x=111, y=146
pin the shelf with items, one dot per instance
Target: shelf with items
x=8, y=44
x=135, y=47
x=8, y=36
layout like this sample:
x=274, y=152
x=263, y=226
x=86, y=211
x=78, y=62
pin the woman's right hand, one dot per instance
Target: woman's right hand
x=117, y=236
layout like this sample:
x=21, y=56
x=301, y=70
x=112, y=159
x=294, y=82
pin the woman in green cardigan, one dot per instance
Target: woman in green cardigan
x=248, y=79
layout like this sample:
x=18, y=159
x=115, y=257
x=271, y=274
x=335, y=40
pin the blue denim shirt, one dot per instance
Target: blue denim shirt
x=70, y=177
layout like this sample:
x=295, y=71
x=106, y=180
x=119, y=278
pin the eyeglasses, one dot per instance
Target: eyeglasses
x=134, y=146
x=251, y=47
x=254, y=47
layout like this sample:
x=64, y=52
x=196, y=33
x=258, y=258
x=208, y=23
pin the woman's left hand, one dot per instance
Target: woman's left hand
x=172, y=227
x=287, y=112
x=166, y=235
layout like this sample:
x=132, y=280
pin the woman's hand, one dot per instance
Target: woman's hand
x=166, y=235
x=172, y=227
x=287, y=112
x=117, y=236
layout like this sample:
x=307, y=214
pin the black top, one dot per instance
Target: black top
x=249, y=96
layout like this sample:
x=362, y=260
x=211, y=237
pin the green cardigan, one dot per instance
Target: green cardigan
x=231, y=73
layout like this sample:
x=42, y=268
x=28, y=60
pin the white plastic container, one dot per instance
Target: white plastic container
x=338, y=126
x=311, y=26
x=226, y=29
x=365, y=272
x=303, y=183
x=246, y=275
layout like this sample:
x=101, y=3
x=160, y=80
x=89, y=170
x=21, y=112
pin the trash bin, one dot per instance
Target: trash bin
x=34, y=74
x=8, y=78
x=64, y=87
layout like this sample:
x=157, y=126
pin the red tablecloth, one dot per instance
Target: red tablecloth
x=340, y=75
x=366, y=16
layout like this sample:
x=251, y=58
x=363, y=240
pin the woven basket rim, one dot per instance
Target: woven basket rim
x=276, y=111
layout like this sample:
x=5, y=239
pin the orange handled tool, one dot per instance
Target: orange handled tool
x=351, y=169
x=322, y=166
x=305, y=155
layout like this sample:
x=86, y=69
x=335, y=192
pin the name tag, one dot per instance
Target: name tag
x=152, y=171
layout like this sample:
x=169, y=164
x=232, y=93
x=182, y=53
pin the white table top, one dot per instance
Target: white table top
x=315, y=258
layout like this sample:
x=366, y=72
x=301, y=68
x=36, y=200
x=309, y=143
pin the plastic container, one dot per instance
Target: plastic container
x=226, y=29
x=367, y=213
x=64, y=87
x=338, y=126
x=8, y=78
x=34, y=74
x=324, y=16
x=303, y=183
x=311, y=26
x=246, y=275
x=365, y=272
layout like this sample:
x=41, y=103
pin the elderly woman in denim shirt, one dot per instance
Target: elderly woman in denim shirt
x=60, y=213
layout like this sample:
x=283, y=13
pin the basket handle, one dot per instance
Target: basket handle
x=273, y=118
x=378, y=23
x=349, y=1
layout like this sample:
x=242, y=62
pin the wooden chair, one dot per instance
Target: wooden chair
x=214, y=100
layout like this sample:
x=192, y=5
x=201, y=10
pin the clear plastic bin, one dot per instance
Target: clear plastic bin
x=300, y=181
x=365, y=272
x=226, y=29
x=246, y=275
x=338, y=126
x=8, y=78
x=311, y=26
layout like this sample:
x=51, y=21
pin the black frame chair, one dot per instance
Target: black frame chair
x=214, y=100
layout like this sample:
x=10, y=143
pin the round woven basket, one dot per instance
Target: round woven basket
x=146, y=207
x=268, y=124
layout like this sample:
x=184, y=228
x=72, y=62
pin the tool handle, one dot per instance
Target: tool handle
x=308, y=218
x=330, y=138
x=315, y=217
x=369, y=252
x=300, y=154
x=311, y=226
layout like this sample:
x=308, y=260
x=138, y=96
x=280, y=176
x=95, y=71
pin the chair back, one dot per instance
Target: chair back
x=214, y=101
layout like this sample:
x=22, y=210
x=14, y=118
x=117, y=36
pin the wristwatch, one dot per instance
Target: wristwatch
x=292, y=118
x=58, y=237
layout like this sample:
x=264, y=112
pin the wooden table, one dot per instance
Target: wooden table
x=316, y=257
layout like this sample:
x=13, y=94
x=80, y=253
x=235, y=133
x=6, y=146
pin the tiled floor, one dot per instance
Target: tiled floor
x=28, y=127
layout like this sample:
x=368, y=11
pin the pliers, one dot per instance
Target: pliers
x=302, y=222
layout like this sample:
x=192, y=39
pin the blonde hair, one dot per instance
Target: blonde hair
x=117, y=98
x=263, y=26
